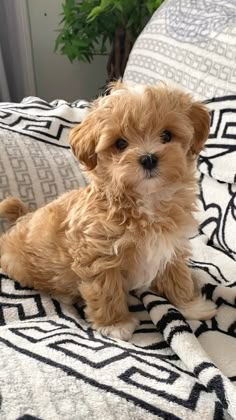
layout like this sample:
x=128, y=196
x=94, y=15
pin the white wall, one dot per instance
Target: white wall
x=16, y=50
x=56, y=77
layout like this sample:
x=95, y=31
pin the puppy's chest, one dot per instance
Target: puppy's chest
x=150, y=256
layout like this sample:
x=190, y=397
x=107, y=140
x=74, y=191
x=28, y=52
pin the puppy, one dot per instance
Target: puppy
x=130, y=228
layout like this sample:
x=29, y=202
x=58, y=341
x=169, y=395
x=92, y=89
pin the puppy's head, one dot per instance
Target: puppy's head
x=141, y=138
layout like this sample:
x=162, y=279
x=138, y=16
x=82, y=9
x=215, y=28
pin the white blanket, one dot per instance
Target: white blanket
x=52, y=365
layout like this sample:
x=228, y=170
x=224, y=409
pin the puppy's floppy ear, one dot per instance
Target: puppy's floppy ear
x=200, y=118
x=83, y=139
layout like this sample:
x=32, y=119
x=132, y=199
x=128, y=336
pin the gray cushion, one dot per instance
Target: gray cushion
x=36, y=163
x=191, y=44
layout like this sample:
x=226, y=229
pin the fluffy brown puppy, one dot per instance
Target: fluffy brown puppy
x=129, y=228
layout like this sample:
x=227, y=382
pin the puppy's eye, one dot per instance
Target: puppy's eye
x=166, y=136
x=121, y=144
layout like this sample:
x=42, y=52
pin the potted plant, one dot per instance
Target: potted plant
x=103, y=27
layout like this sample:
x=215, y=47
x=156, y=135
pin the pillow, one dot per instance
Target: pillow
x=36, y=163
x=217, y=171
x=190, y=44
x=218, y=159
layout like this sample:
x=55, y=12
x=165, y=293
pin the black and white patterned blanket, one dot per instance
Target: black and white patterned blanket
x=52, y=365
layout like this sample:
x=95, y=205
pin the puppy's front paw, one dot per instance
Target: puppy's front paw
x=199, y=309
x=121, y=330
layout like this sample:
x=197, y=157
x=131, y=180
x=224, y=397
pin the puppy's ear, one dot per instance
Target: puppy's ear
x=200, y=118
x=82, y=140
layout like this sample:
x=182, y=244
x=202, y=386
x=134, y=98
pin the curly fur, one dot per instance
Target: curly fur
x=128, y=229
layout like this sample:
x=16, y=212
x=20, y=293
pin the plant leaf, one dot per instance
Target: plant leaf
x=88, y=26
x=94, y=13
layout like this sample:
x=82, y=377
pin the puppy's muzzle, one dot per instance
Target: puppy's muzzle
x=148, y=161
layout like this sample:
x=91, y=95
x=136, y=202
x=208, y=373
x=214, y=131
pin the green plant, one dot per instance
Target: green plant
x=94, y=27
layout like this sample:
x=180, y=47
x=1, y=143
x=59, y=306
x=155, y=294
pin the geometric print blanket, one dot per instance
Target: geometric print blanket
x=54, y=366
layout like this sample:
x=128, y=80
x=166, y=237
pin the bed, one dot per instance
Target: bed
x=52, y=364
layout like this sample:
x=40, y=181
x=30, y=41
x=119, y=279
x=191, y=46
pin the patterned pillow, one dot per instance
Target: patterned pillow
x=217, y=168
x=191, y=44
x=218, y=159
x=36, y=163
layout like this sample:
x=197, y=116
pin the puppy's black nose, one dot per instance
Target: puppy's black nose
x=148, y=161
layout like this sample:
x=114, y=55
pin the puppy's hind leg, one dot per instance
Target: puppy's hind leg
x=106, y=305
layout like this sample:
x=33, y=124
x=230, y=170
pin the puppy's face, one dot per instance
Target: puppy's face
x=141, y=138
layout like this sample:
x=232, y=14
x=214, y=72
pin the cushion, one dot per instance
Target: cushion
x=217, y=170
x=190, y=44
x=36, y=163
x=218, y=158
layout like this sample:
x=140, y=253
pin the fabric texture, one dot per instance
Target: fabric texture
x=52, y=364
x=190, y=44
x=217, y=169
x=36, y=164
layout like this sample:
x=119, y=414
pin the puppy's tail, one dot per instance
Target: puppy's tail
x=12, y=208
